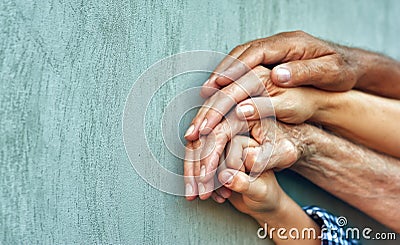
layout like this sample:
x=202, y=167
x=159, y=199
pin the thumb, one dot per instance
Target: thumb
x=257, y=159
x=242, y=183
x=323, y=72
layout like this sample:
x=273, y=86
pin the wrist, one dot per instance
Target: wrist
x=275, y=216
x=317, y=145
x=328, y=104
x=304, y=139
x=321, y=102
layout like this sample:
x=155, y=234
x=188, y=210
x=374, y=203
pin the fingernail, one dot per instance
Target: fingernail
x=203, y=124
x=219, y=199
x=224, y=193
x=203, y=171
x=190, y=130
x=246, y=110
x=202, y=189
x=283, y=75
x=188, y=189
x=226, y=177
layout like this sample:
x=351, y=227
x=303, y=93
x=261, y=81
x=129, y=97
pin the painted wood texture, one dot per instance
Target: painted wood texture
x=66, y=69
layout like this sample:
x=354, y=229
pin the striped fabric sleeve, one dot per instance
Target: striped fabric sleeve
x=332, y=230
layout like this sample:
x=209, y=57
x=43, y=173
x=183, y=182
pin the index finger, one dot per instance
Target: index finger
x=282, y=47
x=210, y=86
x=214, y=109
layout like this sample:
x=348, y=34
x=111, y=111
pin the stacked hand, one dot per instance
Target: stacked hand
x=310, y=80
x=274, y=146
x=312, y=62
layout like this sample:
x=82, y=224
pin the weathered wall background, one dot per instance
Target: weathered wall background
x=66, y=69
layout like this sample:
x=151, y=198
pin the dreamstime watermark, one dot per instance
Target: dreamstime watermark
x=158, y=111
x=310, y=233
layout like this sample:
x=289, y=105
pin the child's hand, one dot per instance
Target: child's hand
x=262, y=197
x=250, y=195
x=253, y=196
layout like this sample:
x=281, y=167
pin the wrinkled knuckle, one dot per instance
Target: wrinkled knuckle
x=300, y=33
x=304, y=72
x=222, y=130
x=257, y=45
x=338, y=60
x=241, y=47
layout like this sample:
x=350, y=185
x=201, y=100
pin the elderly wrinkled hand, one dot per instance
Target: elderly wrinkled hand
x=302, y=58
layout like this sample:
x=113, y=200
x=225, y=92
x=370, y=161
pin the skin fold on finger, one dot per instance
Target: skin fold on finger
x=209, y=87
x=190, y=183
x=236, y=52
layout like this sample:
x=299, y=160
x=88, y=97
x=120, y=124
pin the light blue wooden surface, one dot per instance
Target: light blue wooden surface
x=66, y=69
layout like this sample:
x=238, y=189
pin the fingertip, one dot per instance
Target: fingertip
x=206, y=92
x=281, y=76
x=205, y=189
x=205, y=196
x=245, y=110
x=210, y=162
x=217, y=198
x=225, y=192
x=234, y=180
x=190, y=198
x=192, y=133
x=226, y=177
x=211, y=119
x=209, y=88
x=222, y=80
x=205, y=127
